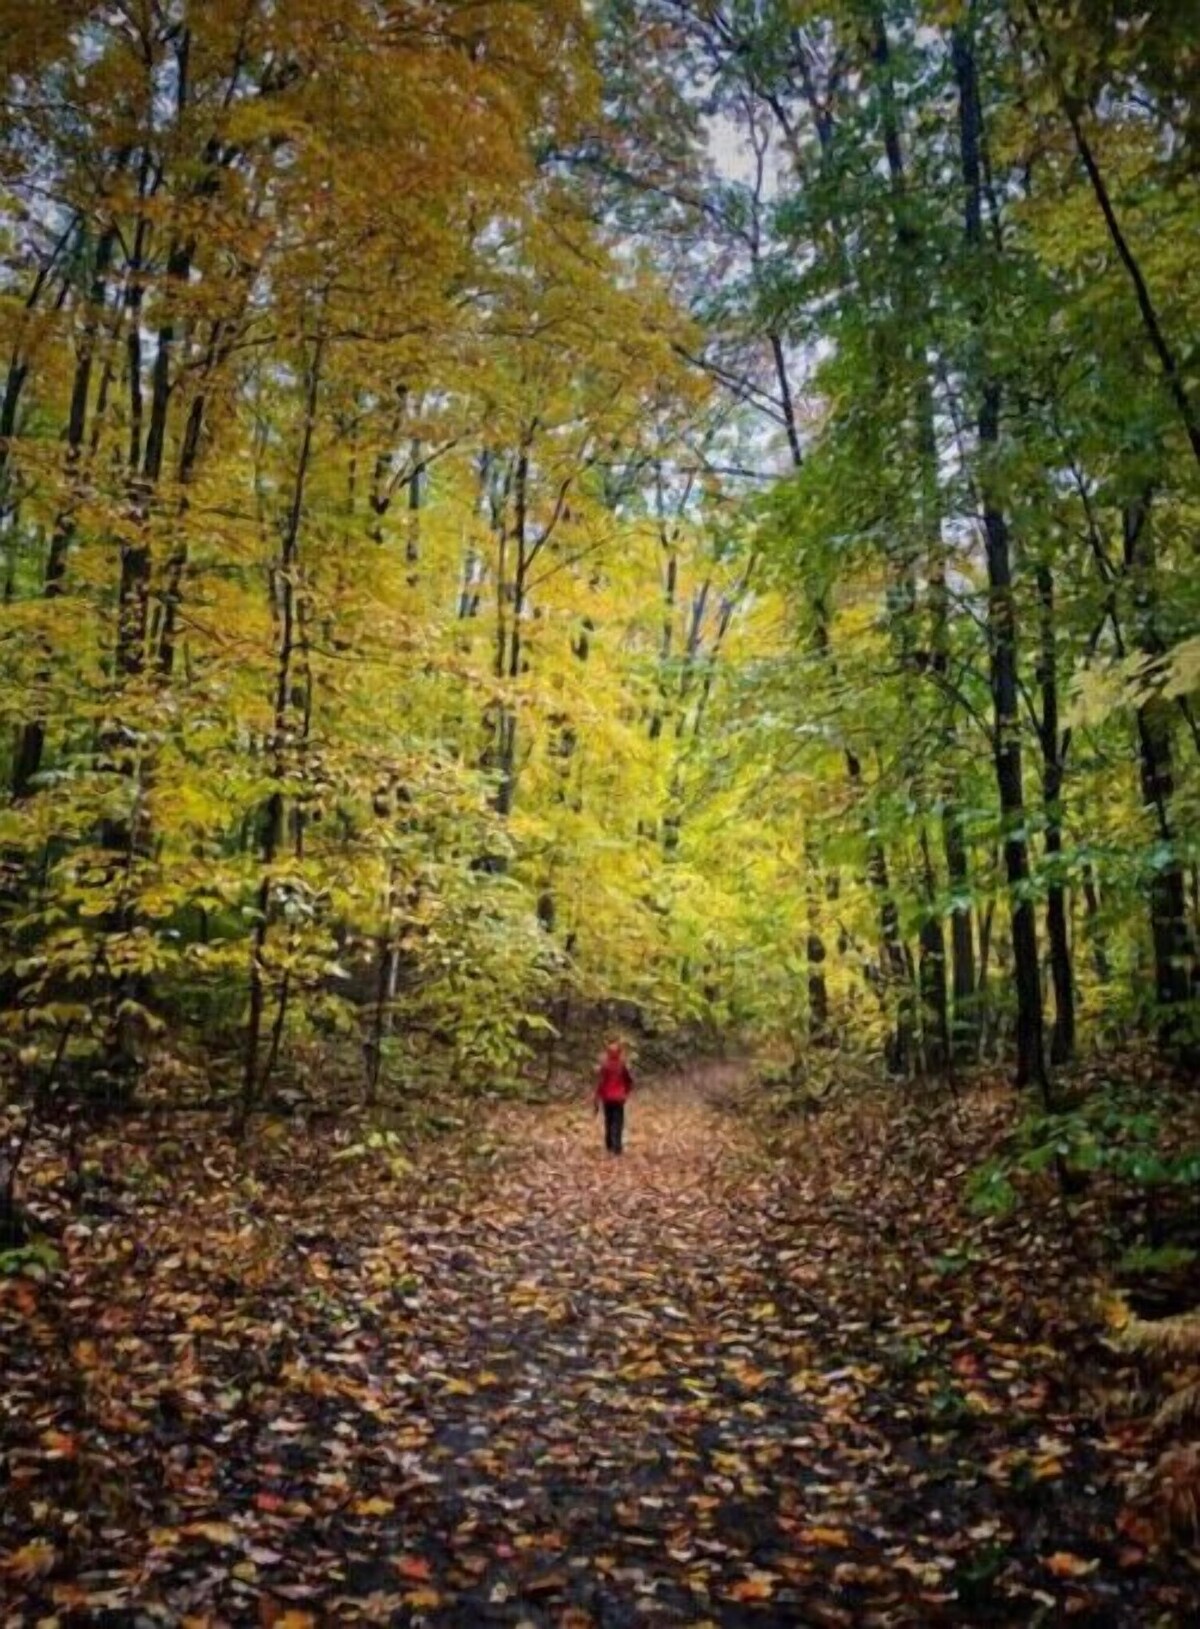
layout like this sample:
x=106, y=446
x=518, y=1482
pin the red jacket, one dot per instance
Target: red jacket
x=615, y=1083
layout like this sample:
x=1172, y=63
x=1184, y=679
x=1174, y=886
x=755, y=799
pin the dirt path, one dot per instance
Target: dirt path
x=603, y=1369
x=557, y=1389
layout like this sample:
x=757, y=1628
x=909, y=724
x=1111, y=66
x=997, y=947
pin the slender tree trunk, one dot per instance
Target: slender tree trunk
x=1002, y=621
x=897, y=971
x=1176, y=966
x=668, y=537
x=954, y=844
x=124, y=744
x=412, y=537
x=1091, y=901
x=1062, y=1043
x=387, y=983
x=815, y=955
x=818, y=994
x=133, y=599
x=962, y=934
x=913, y=315
x=20, y=358
x=275, y=827
x=509, y=639
x=983, y=993
x=935, y=1007
x=31, y=741
x=220, y=347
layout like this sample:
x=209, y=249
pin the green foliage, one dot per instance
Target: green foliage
x=382, y=1144
x=1142, y=1259
x=37, y=1260
x=1111, y=1133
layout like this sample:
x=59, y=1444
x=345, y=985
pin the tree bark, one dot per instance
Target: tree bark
x=935, y=1007
x=815, y=954
x=896, y=968
x=1062, y=1042
x=1002, y=621
x=275, y=821
x=1176, y=966
x=1091, y=901
x=31, y=742
x=913, y=315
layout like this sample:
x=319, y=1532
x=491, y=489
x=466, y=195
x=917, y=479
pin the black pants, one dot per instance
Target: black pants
x=614, y=1126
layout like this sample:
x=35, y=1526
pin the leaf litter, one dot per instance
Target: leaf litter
x=699, y=1384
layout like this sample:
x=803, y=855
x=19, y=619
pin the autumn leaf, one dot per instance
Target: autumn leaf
x=756, y=1586
x=215, y=1532
x=374, y=1506
x=60, y=1444
x=31, y=1561
x=834, y=1538
x=1065, y=1565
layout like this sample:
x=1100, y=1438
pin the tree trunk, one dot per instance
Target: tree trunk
x=935, y=1008
x=1176, y=967
x=1002, y=622
x=31, y=741
x=818, y=993
x=1091, y=901
x=385, y=994
x=1062, y=1043
x=275, y=828
x=899, y=1049
x=912, y=311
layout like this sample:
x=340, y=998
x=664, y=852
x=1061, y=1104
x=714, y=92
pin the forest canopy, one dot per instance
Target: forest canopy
x=675, y=511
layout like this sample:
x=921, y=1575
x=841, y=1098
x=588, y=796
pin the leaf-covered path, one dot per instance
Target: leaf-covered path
x=550, y=1387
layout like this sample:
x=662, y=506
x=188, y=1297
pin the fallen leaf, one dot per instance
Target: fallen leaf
x=216, y=1532
x=32, y=1560
x=831, y=1538
x=1065, y=1565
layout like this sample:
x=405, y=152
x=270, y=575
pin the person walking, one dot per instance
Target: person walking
x=612, y=1094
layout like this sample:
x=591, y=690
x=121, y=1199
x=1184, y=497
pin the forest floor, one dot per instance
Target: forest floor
x=718, y=1380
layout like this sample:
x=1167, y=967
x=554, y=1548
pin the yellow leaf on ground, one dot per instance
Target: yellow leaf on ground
x=214, y=1532
x=375, y=1506
x=32, y=1560
x=832, y=1538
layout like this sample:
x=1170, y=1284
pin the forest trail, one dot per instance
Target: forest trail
x=551, y=1387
